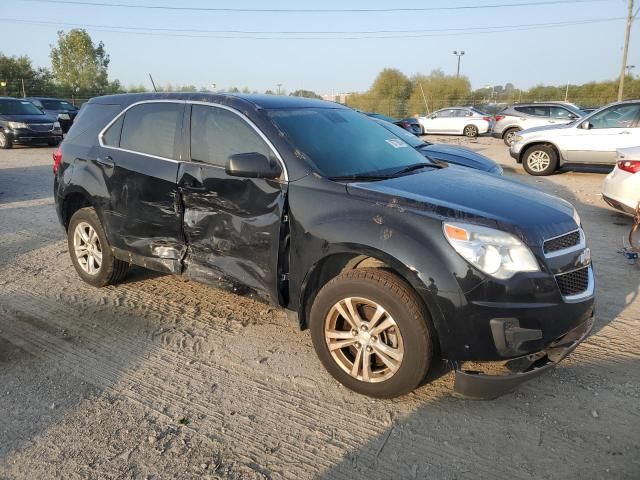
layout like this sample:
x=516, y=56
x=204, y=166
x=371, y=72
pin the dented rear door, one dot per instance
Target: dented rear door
x=232, y=226
x=138, y=159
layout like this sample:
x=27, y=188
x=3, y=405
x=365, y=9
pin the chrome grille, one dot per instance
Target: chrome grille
x=573, y=283
x=568, y=240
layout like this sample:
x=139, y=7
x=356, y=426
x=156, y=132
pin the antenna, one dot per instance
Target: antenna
x=153, y=83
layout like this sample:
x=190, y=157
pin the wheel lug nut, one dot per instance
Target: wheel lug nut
x=354, y=332
x=363, y=328
x=369, y=349
x=374, y=338
x=358, y=345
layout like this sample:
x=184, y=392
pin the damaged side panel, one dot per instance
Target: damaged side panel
x=232, y=227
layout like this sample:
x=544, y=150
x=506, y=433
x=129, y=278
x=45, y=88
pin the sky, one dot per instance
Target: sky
x=523, y=56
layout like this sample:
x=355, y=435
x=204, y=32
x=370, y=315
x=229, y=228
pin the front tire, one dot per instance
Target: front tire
x=509, y=136
x=540, y=160
x=470, y=131
x=5, y=141
x=90, y=251
x=371, y=332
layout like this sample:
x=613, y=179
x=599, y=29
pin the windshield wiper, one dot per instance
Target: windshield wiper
x=363, y=177
x=416, y=166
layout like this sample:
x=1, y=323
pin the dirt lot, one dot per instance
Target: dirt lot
x=162, y=378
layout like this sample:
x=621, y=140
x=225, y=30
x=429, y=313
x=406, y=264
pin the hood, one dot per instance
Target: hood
x=546, y=128
x=28, y=118
x=459, y=156
x=475, y=197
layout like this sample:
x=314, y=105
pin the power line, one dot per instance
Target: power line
x=313, y=32
x=316, y=10
x=273, y=35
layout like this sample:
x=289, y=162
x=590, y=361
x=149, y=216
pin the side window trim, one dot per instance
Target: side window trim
x=122, y=113
x=185, y=147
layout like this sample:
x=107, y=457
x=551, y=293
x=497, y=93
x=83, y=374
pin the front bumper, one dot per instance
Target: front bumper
x=473, y=383
x=26, y=136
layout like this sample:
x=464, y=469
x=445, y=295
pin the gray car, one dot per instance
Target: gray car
x=528, y=115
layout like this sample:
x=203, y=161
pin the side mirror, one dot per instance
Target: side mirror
x=252, y=165
x=586, y=126
x=573, y=117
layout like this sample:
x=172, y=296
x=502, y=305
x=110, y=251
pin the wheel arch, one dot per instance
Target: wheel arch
x=511, y=127
x=71, y=203
x=332, y=265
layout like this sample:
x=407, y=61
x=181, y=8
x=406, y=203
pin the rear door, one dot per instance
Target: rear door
x=138, y=160
x=232, y=225
x=612, y=128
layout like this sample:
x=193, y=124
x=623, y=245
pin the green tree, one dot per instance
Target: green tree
x=305, y=93
x=78, y=64
x=438, y=90
x=16, y=70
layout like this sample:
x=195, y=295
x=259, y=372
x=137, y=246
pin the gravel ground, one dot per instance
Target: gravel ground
x=163, y=378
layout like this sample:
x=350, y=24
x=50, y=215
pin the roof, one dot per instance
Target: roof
x=260, y=101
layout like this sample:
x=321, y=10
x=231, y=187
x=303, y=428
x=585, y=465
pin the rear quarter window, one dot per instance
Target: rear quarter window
x=93, y=117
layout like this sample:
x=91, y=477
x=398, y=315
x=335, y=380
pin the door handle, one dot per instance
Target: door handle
x=106, y=161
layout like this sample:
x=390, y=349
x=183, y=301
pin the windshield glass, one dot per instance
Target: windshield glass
x=408, y=137
x=18, y=107
x=58, y=105
x=574, y=109
x=342, y=142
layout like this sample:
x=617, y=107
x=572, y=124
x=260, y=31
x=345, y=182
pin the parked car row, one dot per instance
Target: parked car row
x=34, y=120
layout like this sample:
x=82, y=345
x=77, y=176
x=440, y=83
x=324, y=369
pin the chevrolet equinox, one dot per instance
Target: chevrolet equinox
x=389, y=259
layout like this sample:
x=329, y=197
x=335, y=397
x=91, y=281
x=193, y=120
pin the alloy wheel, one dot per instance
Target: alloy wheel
x=87, y=248
x=538, y=161
x=470, y=131
x=363, y=339
x=510, y=137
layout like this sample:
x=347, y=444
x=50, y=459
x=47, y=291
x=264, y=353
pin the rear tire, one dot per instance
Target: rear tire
x=5, y=141
x=509, y=136
x=392, y=351
x=90, y=251
x=470, y=131
x=540, y=160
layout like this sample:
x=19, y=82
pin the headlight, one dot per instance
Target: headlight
x=494, y=252
x=17, y=125
x=519, y=138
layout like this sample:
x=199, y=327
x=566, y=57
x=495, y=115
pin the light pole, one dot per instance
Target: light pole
x=629, y=68
x=458, y=54
x=278, y=85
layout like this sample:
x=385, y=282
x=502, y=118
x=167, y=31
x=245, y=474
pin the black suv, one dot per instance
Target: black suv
x=389, y=259
x=21, y=122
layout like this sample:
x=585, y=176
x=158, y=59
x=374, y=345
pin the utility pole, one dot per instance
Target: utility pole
x=278, y=85
x=625, y=50
x=460, y=54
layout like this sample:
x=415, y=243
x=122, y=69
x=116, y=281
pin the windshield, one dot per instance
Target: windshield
x=57, y=105
x=342, y=142
x=574, y=109
x=18, y=107
x=408, y=137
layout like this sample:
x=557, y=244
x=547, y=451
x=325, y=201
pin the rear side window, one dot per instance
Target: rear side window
x=111, y=137
x=93, y=117
x=153, y=129
x=535, y=110
x=559, y=112
x=217, y=133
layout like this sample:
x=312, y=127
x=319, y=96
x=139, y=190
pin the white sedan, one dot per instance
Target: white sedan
x=456, y=121
x=621, y=188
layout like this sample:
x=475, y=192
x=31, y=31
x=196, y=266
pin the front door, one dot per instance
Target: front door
x=612, y=128
x=232, y=225
x=138, y=159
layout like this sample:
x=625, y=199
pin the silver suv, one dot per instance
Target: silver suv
x=527, y=115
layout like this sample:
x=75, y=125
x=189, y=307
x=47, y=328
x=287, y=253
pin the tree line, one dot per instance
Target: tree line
x=79, y=70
